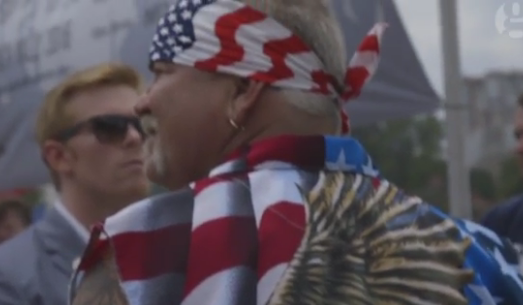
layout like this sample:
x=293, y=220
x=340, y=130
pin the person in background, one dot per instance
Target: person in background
x=91, y=141
x=506, y=219
x=38, y=211
x=246, y=109
x=15, y=216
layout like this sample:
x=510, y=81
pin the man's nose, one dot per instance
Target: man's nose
x=133, y=137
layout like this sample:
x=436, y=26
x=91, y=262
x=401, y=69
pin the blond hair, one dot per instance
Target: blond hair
x=313, y=22
x=53, y=118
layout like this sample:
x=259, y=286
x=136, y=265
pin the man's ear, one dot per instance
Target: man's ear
x=56, y=156
x=247, y=95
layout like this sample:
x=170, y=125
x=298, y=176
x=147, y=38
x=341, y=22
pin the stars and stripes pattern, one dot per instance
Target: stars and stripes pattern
x=232, y=37
x=498, y=280
x=230, y=238
x=150, y=240
x=221, y=241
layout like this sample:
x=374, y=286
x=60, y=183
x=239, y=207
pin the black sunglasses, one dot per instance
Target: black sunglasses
x=108, y=129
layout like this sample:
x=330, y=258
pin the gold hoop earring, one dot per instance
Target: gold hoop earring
x=234, y=125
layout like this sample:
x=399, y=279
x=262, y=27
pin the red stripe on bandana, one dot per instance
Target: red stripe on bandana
x=371, y=43
x=357, y=77
x=278, y=51
x=323, y=80
x=263, y=50
x=226, y=28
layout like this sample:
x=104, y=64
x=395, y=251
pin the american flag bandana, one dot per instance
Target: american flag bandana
x=232, y=37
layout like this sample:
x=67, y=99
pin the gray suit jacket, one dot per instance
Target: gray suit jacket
x=36, y=266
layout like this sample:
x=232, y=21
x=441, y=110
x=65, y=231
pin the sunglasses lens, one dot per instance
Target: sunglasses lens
x=110, y=129
x=135, y=122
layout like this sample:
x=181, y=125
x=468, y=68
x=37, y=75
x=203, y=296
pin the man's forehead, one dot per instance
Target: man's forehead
x=104, y=100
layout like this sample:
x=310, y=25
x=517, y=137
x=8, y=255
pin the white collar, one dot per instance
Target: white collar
x=80, y=229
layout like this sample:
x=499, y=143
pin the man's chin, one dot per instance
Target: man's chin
x=154, y=173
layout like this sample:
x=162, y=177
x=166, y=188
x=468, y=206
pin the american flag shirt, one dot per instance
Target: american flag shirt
x=291, y=220
x=274, y=226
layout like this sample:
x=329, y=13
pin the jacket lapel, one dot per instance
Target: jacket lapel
x=59, y=240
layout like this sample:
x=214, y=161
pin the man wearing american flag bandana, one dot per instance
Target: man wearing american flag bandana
x=270, y=203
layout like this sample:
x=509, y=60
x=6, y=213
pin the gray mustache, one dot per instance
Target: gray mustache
x=149, y=124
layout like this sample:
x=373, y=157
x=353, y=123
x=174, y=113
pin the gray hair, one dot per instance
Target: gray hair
x=313, y=22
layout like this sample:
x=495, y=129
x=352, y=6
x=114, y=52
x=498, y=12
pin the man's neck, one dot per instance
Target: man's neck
x=285, y=120
x=86, y=208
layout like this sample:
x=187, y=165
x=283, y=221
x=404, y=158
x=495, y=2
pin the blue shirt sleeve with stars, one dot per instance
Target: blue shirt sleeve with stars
x=496, y=265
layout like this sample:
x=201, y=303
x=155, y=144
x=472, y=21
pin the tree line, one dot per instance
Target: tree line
x=408, y=153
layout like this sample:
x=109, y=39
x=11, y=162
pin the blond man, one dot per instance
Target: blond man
x=91, y=142
x=246, y=109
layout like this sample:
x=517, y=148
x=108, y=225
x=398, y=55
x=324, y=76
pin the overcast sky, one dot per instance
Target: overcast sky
x=483, y=49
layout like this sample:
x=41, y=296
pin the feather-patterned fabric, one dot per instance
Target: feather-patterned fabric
x=360, y=250
x=303, y=220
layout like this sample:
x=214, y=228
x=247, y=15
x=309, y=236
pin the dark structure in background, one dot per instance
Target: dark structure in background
x=36, y=53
